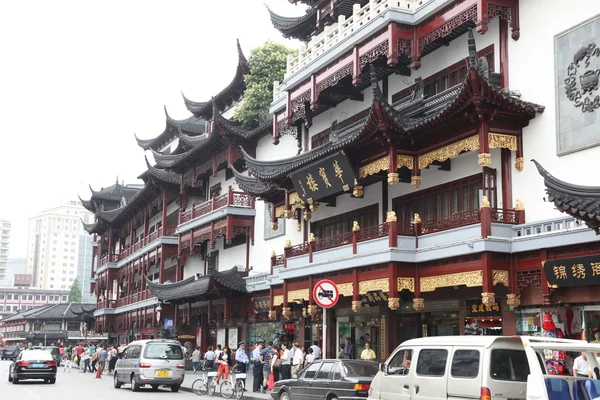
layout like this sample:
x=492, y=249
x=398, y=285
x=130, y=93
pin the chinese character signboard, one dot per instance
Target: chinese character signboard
x=23, y=280
x=261, y=304
x=324, y=178
x=476, y=309
x=578, y=271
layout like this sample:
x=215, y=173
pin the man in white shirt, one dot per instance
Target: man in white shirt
x=297, y=359
x=316, y=350
x=286, y=362
x=580, y=366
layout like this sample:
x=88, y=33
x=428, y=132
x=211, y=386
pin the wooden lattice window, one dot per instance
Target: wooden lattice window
x=339, y=224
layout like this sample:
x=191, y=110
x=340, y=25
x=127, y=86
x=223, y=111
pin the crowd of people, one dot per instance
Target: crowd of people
x=86, y=357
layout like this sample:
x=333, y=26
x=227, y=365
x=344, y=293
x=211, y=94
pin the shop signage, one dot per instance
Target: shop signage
x=324, y=178
x=261, y=304
x=326, y=293
x=578, y=271
x=476, y=309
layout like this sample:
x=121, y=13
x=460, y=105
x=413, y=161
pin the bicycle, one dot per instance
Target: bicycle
x=207, y=383
x=229, y=389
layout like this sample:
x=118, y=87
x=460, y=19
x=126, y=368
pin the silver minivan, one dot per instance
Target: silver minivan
x=154, y=362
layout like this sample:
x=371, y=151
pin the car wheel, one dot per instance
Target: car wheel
x=116, y=382
x=15, y=380
x=155, y=387
x=135, y=387
x=52, y=381
x=284, y=395
x=9, y=376
x=175, y=388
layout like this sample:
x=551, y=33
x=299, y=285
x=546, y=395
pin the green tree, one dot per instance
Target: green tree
x=267, y=64
x=75, y=293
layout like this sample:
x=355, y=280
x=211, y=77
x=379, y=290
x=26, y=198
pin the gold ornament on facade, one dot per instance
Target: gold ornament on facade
x=391, y=217
x=289, y=214
x=274, y=226
x=273, y=254
x=500, y=141
x=450, y=151
x=418, y=304
x=470, y=279
x=415, y=181
x=404, y=161
x=513, y=300
x=280, y=211
x=484, y=159
x=519, y=163
x=312, y=310
x=374, y=167
x=393, y=178
x=393, y=303
x=373, y=285
x=312, y=237
x=299, y=228
x=406, y=283
x=500, y=276
x=300, y=294
x=314, y=206
x=416, y=219
x=356, y=306
x=286, y=312
x=519, y=206
x=485, y=202
x=355, y=226
x=357, y=191
x=272, y=314
x=288, y=244
x=346, y=289
x=488, y=298
x=277, y=300
x=307, y=215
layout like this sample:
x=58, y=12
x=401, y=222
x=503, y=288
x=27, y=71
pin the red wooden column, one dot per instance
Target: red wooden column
x=227, y=309
x=485, y=215
x=546, y=292
x=519, y=161
x=314, y=95
x=356, y=303
x=162, y=264
x=507, y=198
x=484, y=158
x=312, y=308
x=393, y=299
x=275, y=130
x=415, y=51
x=356, y=79
x=487, y=294
x=392, y=37
x=482, y=16
x=286, y=311
x=392, y=229
x=392, y=176
x=514, y=20
x=110, y=244
x=164, y=213
x=415, y=179
x=418, y=301
x=504, y=82
x=229, y=229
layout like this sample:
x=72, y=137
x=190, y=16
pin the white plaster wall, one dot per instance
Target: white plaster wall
x=193, y=265
x=531, y=71
x=172, y=207
x=345, y=202
x=447, y=56
x=267, y=151
x=230, y=257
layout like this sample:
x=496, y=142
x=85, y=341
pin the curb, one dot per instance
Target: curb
x=247, y=395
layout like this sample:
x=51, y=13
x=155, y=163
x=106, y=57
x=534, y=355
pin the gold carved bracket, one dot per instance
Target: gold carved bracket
x=382, y=284
x=450, y=151
x=277, y=300
x=501, y=141
x=381, y=164
x=406, y=283
x=300, y=294
x=346, y=289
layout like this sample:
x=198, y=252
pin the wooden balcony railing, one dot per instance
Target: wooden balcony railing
x=144, y=241
x=483, y=216
x=229, y=199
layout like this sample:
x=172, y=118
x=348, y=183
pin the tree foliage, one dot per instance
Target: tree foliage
x=267, y=64
x=75, y=293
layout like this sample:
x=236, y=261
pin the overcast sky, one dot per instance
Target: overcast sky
x=78, y=78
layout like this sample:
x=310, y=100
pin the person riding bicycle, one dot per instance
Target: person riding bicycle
x=224, y=360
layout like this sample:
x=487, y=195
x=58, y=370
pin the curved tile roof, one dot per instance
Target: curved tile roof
x=252, y=185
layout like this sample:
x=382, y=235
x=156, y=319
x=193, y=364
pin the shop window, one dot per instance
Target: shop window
x=400, y=363
x=367, y=216
x=324, y=371
x=448, y=199
x=311, y=371
x=509, y=365
x=465, y=364
x=432, y=362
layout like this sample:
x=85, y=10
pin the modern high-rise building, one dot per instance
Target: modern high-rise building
x=15, y=266
x=5, y=227
x=58, y=249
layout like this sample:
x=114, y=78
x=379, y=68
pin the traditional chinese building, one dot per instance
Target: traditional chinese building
x=394, y=165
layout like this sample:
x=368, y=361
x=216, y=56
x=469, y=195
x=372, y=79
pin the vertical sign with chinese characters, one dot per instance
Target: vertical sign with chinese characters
x=578, y=271
x=324, y=178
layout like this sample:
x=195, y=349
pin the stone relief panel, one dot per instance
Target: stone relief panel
x=577, y=74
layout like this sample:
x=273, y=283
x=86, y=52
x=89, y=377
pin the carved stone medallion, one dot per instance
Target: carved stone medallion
x=583, y=76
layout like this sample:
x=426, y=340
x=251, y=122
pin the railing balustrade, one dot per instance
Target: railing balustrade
x=229, y=199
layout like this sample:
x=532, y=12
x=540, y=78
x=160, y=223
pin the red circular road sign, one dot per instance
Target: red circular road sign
x=326, y=293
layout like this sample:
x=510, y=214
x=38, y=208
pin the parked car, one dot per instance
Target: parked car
x=10, y=352
x=328, y=379
x=55, y=351
x=33, y=364
x=156, y=362
x=486, y=367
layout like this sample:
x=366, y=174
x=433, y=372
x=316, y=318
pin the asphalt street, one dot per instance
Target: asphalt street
x=78, y=385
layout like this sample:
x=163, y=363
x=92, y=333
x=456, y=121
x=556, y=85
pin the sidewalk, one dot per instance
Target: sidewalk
x=190, y=378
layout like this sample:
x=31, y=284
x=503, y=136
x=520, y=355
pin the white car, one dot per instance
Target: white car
x=482, y=367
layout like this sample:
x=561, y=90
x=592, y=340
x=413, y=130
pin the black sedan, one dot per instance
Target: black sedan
x=10, y=352
x=328, y=379
x=33, y=364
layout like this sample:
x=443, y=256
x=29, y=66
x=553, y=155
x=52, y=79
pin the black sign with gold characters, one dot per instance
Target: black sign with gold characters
x=324, y=178
x=261, y=304
x=476, y=309
x=578, y=271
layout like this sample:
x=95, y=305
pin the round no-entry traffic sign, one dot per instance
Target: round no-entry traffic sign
x=326, y=293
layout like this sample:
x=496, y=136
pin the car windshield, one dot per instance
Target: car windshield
x=31, y=355
x=163, y=351
x=10, y=348
x=354, y=369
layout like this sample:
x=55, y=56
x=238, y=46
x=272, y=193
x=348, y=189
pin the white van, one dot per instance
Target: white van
x=478, y=367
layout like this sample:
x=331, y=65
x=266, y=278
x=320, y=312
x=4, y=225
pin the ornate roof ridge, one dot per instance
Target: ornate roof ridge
x=281, y=22
x=228, y=126
x=162, y=175
x=252, y=185
x=167, y=160
x=552, y=182
x=87, y=204
x=90, y=228
x=204, y=109
x=110, y=193
x=163, y=138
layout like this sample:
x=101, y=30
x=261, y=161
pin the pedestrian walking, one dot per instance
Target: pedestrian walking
x=196, y=359
x=102, y=356
x=257, y=367
x=209, y=358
